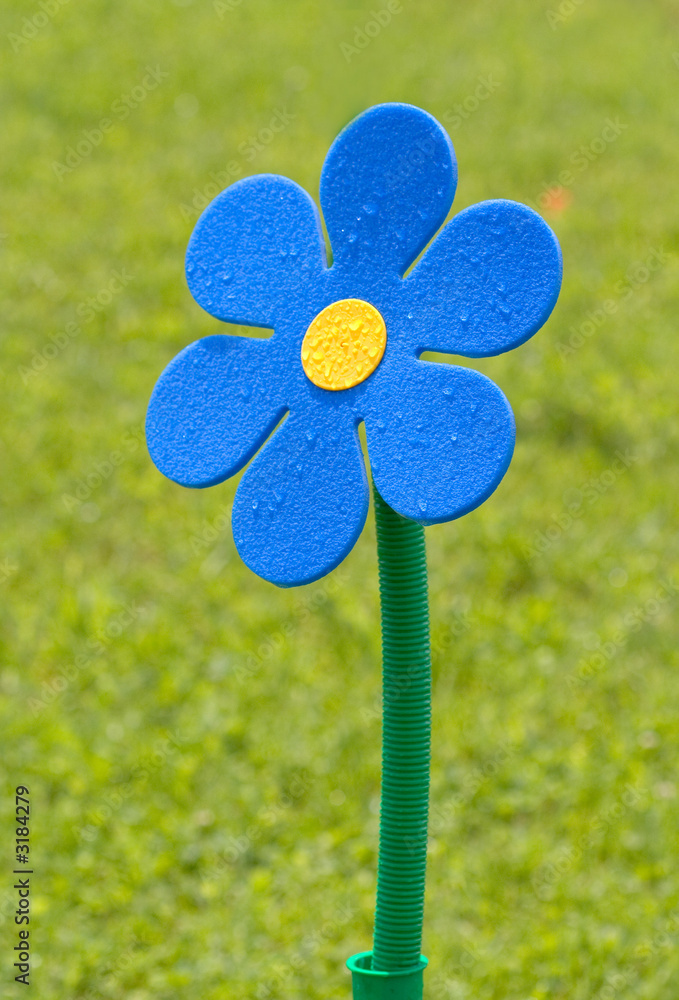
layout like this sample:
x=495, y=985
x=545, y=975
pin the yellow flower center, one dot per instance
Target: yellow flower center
x=344, y=344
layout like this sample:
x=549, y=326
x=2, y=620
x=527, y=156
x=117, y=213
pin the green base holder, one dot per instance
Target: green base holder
x=372, y=984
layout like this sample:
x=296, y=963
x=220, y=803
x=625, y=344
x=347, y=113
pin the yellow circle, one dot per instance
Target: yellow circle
x=344, y=344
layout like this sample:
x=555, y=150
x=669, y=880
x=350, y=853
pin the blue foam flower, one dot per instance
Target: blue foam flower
x=440, y=437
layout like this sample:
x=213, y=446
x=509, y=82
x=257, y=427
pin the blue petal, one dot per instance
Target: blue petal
x=254, y=250
x=212, y=408
x=387, y=185
x=487, y=283
x=441, y=443
x=302, y=504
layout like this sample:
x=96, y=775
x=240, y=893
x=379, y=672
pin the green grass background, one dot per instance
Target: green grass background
x=205, y=787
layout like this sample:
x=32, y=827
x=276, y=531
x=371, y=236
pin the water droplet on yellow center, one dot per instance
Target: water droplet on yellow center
x=344, y=344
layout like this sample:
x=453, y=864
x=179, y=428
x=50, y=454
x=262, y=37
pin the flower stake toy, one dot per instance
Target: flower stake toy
x=346, y=349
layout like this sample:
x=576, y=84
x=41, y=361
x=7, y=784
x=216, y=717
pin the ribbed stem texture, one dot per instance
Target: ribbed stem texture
x=406, y=738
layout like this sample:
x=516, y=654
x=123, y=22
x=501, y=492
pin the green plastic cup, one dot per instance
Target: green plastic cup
x=373, y=984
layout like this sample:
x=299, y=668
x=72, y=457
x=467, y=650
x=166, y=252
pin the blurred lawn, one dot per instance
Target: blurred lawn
x=206, y=784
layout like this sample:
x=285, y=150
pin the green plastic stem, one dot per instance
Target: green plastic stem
x=406, y=740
